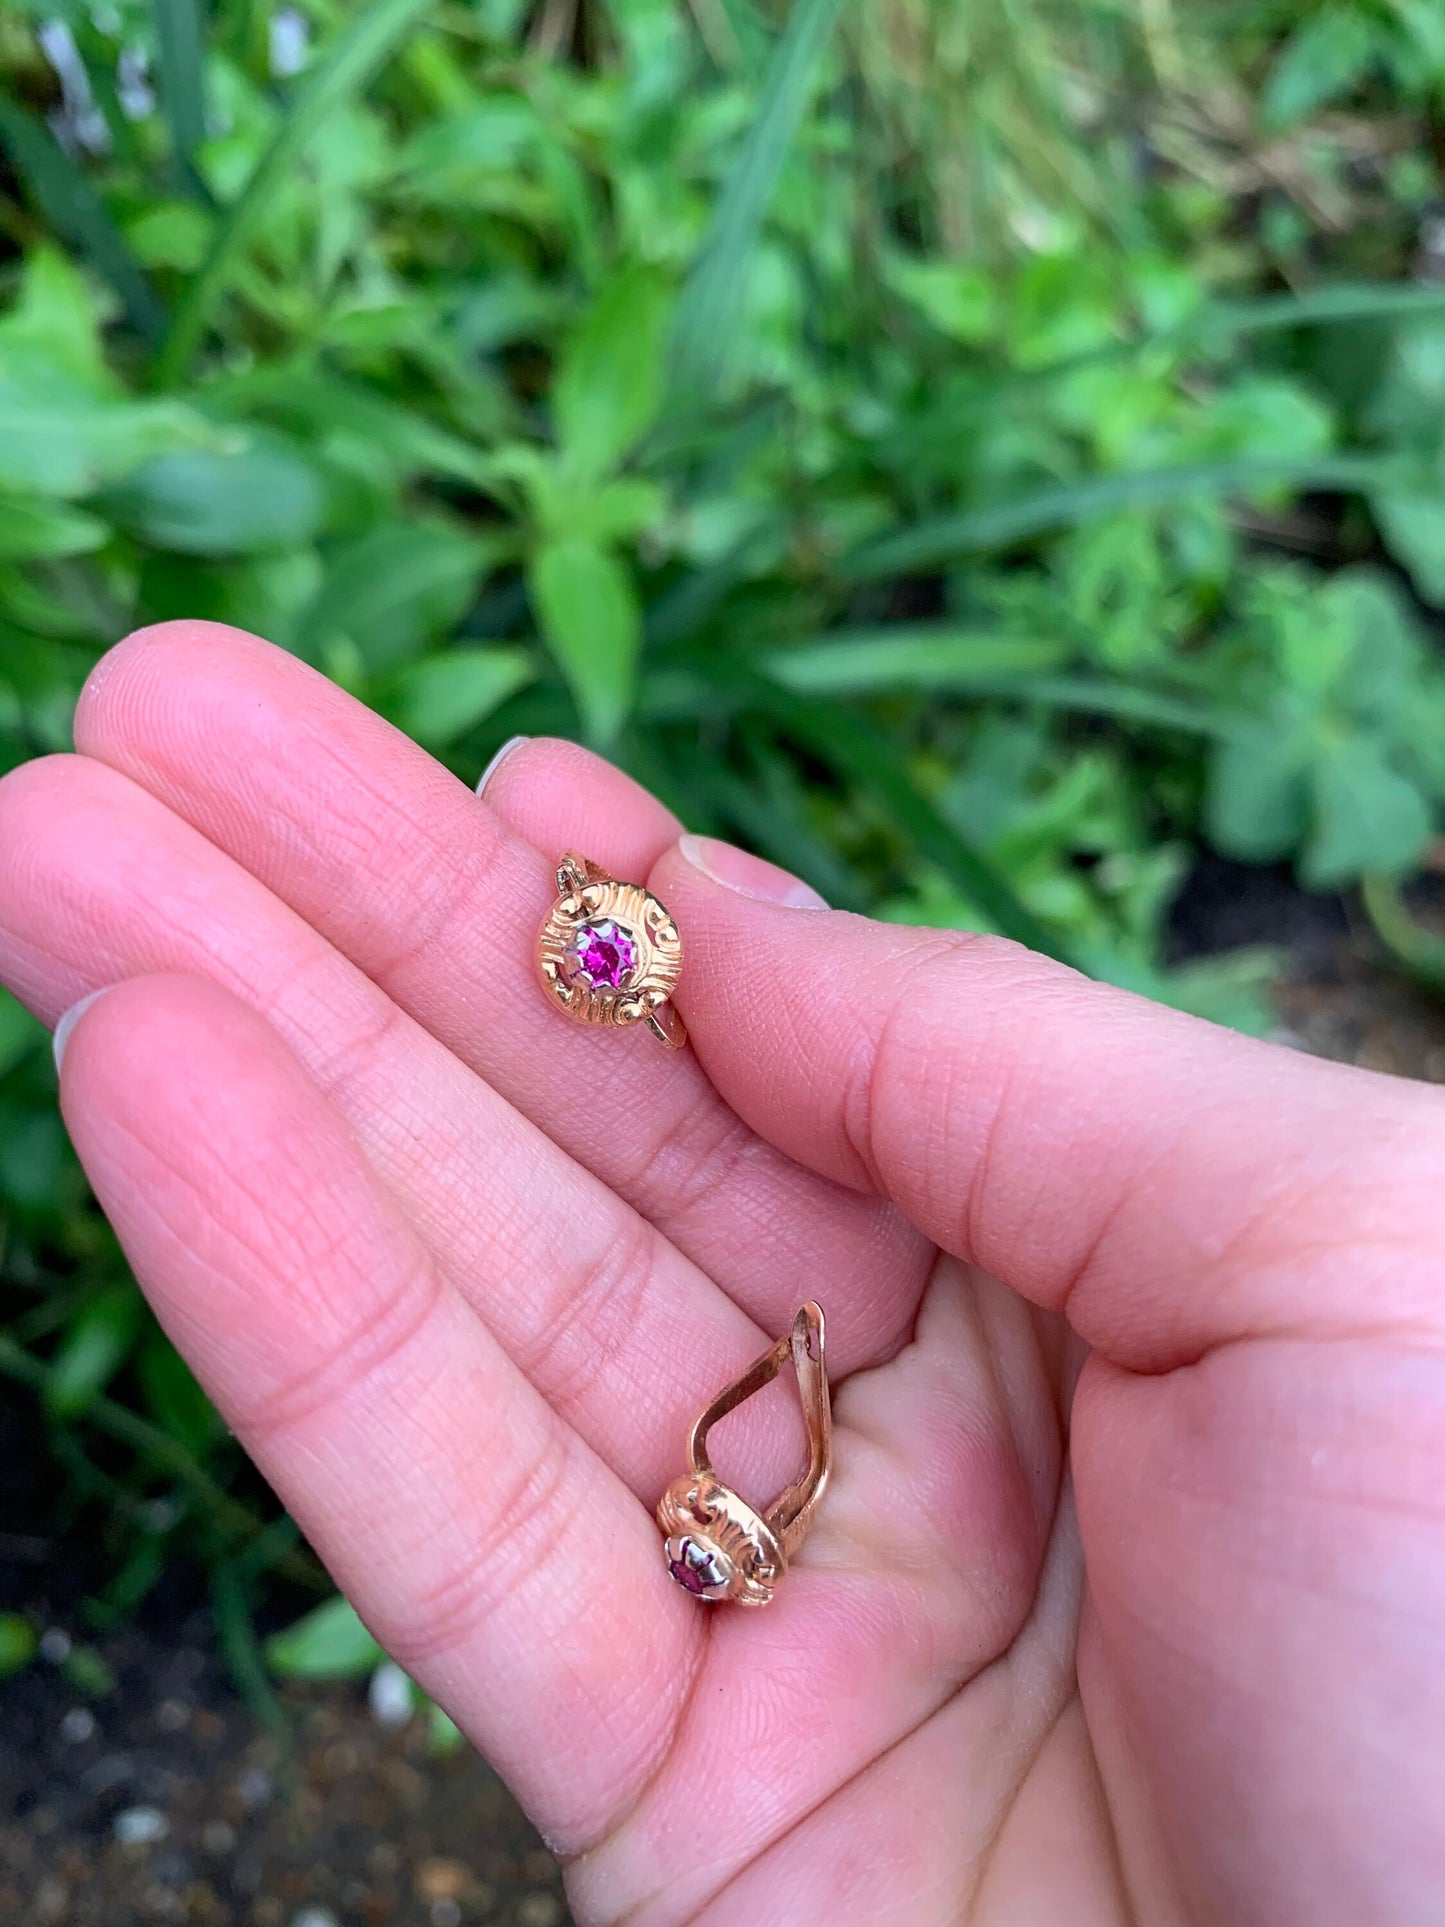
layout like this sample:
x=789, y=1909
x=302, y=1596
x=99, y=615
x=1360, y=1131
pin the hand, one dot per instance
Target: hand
x=460, y=1274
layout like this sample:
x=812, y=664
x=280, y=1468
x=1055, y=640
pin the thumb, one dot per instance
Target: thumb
x=1167, y=1184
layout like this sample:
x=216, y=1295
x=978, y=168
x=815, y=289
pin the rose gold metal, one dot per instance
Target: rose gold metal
x=743, y=1551
x=585, y=892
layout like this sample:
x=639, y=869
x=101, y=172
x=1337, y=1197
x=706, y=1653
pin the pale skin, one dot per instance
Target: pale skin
x=1127, y=1599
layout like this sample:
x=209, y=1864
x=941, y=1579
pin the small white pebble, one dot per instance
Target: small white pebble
x=141, y=1826
x=217, y=1836
x=389, y=1695
x=445, y=1913
x=538, y=1910
x=315, y=1917
x=55, y=1645
x=253, y=1784
x=78, y=1724
x=173, y=1716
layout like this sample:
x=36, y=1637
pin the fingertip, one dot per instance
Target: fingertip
x=556, y=795
x=66, y=1023
x=155, y=656
x=746, y=874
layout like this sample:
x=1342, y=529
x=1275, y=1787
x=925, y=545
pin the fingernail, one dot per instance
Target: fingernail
x=501, y=756
x=750, y=876
x=69, y=1019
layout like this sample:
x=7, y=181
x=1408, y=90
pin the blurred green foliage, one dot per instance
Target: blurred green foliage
x=972, y=454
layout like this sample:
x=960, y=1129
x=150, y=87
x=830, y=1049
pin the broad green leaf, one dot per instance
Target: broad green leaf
x=59, y=438
x=336, y=77
x=393, y=587
x=1380, y=676
x=609, y=383
x=1322, y=60
x=31, y=528
x=261, y=495
x=959, y=299
x=95, y=1346
x=1369, y=819
x=588, y=615
x=330, y=1642
x=1258, y=800
x=441, y=697
x=1413, y=527
x=18, y=1643
x=713, y=299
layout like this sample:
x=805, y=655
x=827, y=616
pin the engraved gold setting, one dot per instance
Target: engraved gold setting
x=717, y=1545
x=609, y=954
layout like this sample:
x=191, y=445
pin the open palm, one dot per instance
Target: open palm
x=460, y=1274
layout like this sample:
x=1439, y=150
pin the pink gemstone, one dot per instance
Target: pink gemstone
x=603, y=954
x=698, y=1567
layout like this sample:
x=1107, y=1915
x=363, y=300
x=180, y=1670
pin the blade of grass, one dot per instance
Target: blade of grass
x=339, y=74
x=73, y=208
x=942, y=539
x=120, y=1423
x=180, y=38
x=1215, y=325
x=858, y=755
x=706, y=317
x=940, y=664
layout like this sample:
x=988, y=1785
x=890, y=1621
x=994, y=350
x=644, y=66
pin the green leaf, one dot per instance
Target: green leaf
x=262, y=495
x=1413, y=528
x=96, y=1344
x=589, y=618
x=59, y=438
x=934, y=657
x=1257, y=801
x=712, y=300
x=179, y=47
x=1369, y=819
x=1323, y=59
x=443, y=1735
x=446, y=694
x=30, y=529
x=330, y=1642
x=74, y=209
x=336, y=77
x=609, y=384
x=18, y=1643
x=19, y=1032
x=392, y=587
x=174, y=1396
x=936, y=543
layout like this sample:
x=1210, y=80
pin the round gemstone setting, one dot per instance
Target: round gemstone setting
x=602, y=955
x=698, y=1566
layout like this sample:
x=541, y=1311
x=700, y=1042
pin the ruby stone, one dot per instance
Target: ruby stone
x=603, y=954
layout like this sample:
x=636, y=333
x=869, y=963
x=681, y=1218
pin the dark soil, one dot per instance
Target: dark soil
x=164, y=1799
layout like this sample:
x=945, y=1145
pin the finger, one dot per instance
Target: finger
x=399, y=867
x=621, y=1333
x=556, y=795
x=490, y=1552
x=1166, y=1183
